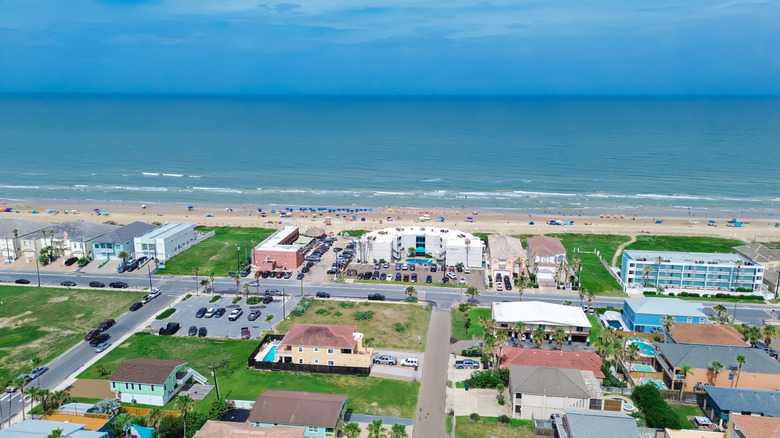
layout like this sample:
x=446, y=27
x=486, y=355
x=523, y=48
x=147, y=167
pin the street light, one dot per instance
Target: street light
x=735, y=310
x=37, y=269
x=238, y=258
x=149, y=270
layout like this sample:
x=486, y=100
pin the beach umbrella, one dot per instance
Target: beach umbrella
x=190, y=208
x=96, y=210
x=601, y=216
x=712, y=222
x=362, y=219
x=143, y=205
x=530, y=223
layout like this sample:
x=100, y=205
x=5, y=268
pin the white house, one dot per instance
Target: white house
x=540, y=314
x=166, y=241
x=67, y=239
x=10, y=232
x=451, y=246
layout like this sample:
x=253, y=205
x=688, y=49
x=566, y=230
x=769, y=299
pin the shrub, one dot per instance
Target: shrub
x=658, y=414
x=399, y=327
x=237, y=299
x=253, y=300
x=504, y=419
x=501, y=402
x=347, y=304
x=364, y=316
x=473, y=351
x=166, y=313
x=215, y=298
x=474, y=417
x=488, y=378
x=187, y=297
x=336, y=314
x=322, y=312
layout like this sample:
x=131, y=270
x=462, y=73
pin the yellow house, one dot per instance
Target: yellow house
x=327, y=345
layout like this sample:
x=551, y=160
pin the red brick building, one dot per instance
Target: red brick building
x=280, y=250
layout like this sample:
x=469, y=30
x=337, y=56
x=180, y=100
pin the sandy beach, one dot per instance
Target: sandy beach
x=484, y=221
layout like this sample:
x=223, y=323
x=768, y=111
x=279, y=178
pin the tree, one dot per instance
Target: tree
x=410, y=292
x=238, y=281
x=211, y=281
x=488, y=326
x=717, y=367
x=123, y=255
x=581, y=293
x=659, y=260
x=246, y=290
x=769, y=332
x=576, y=264
x=122, y=423
x=559, y=337
x=740, y=361
x=184, y=404
x=205, y=284
x=108, y=406
x=257, y=279
x=591, y=297
x=647, y=270
x=35, y=394
x=56, y=433
x=739, y=266
x=36, y=362
x=472, y=292
x=399, y=430
x=352, y=430
x=722, y=313
x=685, y=370
x=375, y=429
x=474, y=417
x=668, y=322
x=538, y=336
x=500, y=388
x=195, y=272
x=519, y=328
x=632, y=351
x=154, y=417
x=468, y=243
x=499, y=339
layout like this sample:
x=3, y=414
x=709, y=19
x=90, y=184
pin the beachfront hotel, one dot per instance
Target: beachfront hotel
x=691, y=271
x=395, y=244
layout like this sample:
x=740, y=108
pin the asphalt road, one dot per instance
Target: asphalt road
x=429, y=418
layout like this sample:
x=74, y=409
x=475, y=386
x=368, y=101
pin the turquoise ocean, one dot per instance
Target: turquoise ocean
x=709, y=156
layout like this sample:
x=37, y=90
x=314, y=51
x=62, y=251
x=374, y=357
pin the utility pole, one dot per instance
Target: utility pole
x=149, y=270
x=238, y=259
x=216, y=383
x=284, y=307
x=37, y=269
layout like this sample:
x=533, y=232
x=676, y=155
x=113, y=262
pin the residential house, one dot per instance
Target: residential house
x=320, y=414
x=506, y=256
x=721, y=401
x=760, y=371
x=279, y=250
x=767, y=257
x=646, y=314
x=11, y=230
x=575, y=360
x=327, y=345
x=109, y=245
x=749, y=426
x=705, y=334
x=42, y=428
x=545, y=254
x=595, y=424
x=693, y=271
x=229, y=429
x=538, y=392
x=540, y=314
x=67, y=239
x=149, y=381
x=452, y=246
x=164, y=242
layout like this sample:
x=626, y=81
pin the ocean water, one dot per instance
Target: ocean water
x=712, y=155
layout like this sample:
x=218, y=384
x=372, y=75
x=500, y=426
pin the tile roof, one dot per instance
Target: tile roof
x=142, y=370
x=757, y=427
x=701, y=357
x=710, y=334
x=665, y=306
x=505, y=247
x=545, y=246
x=298, y=408
x=316, y=335
x=582, y=361
x=548, y=381
x=227, y=429
x=757, y=401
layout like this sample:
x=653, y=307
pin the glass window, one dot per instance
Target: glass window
x=316, y=349
x=300, y=349
x=300, y=360
x=330, y=351
x=330, y=363
x=316, y=361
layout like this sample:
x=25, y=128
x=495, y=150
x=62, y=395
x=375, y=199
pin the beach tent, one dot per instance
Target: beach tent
x=190, y=208
x=658, y=221
x=441, y=219
x=35, y=212
x=469, y=219
x=530, y=223
x=209, y=214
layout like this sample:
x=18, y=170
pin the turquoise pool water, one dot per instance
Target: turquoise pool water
x=271, y=355
x=614, y=324
x=419, y=261
x=643, y=368
x=645, y=349
x=658, y=384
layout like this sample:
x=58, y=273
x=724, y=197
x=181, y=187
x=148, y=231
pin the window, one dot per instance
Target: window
x=113, y=385
x=139, y=386
x=731, y=377
x=690, y=320
x=132, y=386
x=316, y=349
x=330, y=363
x=316, y=361
x=152, y=388
x=127, y=386
x=313, y=428
x=300, y=360
x=300, y=349
x=330, y=351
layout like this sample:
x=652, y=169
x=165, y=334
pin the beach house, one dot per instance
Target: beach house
x=230, y=429
x=545, y=255
x=149, y=381
x=720, y=402
x=111, y=244
x=166, y=241
x=538, y=392
x=705, y=334
x=575, y=423
x=66, y=239
x=536, y=314
x=506, y=256
x=453, y=247
x=10, y=232
x=575, y=360
x=646, y=314
x=320, y=414
x=326, y=345
x=750, y=426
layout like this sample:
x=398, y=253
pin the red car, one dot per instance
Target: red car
x=245, y=333
x=91, y=334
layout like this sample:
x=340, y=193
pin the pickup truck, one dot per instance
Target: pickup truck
x=468, y=364
x=386, y=360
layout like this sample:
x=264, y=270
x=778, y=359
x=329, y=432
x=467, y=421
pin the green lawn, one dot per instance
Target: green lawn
x=45, y=322
x=489, y=427
x=684, y=243
x=217, y=254
x=413, y=319
x=354, y=234
x=458, y=320
x=595, y=328
x=685, y=411
x=366, y=395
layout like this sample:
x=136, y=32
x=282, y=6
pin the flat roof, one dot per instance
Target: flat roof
x=538, y=312
x=684, y=257
x=273, y=242
x=710, y=334
x=167, y=230
x=452, y=237
x=505, y=247
x=665, y=306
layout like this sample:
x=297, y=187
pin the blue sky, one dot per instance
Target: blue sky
x=391, y=46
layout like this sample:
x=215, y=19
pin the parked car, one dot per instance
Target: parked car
x=410, y=362
x=22, y=281
x=265, y=274
x=210, y=312
x=96, y=284
x=321, y=294
x=428, y=279
x=192, y=331
x=412, y=266
x=376, y=297
x=499, y=287
x=105, y=325
x=245, y=333
x=462, y=280
x=451, y=275
x=235, y=314
x=245, y=271
x=71, y=261
x=99, y=339
x=68, y=283
x=467, y=270
x=287, y=275
x=219, y=312
x=467, y=364
x=434, y=267
x=414, y=278
x=268, y=299
x=154, y=294
x=406, y=277
x=103, y=346
x=136, y=306
x=202, y=332
x=91, y=335
x=253, y=315
x=386, y=359
x=118, y=285
x=397, y=276
x=201, y=312
x=272, y=292
x=300, y=276
x=35, y=373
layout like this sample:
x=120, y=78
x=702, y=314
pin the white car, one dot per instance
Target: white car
x=466, y=270
x=462, y=280
x=209, y=313
x=451, y=275
x=499, y=287
x=235, y=314
x=410, y=362
x=154, y=294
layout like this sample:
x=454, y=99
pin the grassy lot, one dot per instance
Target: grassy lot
x=465, y=428
x=413, y=320
x=684, y=243
x=354, y=234
x=367, y=395
x=685, y=411
x=458, y=320
x=217, y=254
x=595, y=328
x=45, y=322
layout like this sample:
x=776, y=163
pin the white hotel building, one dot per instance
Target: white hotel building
x=451, y=246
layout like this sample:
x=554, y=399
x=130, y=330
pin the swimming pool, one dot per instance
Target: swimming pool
x=642, y=368
x=419, y=261
x=658, y=384
x=271, y=355
x=645, y=349
x=614, y=324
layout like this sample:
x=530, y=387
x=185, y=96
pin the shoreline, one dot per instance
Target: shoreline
x=486, y=220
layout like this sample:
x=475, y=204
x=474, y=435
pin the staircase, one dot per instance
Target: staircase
x=196, y=376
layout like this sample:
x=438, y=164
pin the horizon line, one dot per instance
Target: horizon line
x=442, y=95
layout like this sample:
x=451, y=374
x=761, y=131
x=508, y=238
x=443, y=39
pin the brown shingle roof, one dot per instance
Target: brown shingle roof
x=707, y=334
x=151, y=371
x=545, y=246
x=316, y=335
x=757, y=427
x=226, y=429
x=297, y=408
x=550, y=358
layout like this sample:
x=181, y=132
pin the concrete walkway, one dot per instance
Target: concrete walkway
x=482, y=401
x=429, y=418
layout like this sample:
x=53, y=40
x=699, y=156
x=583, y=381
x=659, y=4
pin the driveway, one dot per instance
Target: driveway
x=397, y=371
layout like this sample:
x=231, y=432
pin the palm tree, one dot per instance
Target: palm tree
x=375, y=429
x=472, y=292
x=499, y=339
x=576, y=264
x=769, y=332
x=647, y=270
x=184, y=404
x=56, y=433
x=154, y=417
x=36, y=362
x=717, y=367
x=658, y=260
x=211, y=281
x=559, y=337
x=352, y=430
x=237, y=279
x=668, y=323
x=399, y=430
x=51, y=240
x=205, y=284
x=500, y=388
x=410, y=292
x=582, y=296
x=632, y=351
x=591, y=297
x=488, y=326
x=722, y=313
x=538, y=336
x=467, y=242
x=684, y=371
x=246, y=290
x=740, y=361
x=35, y=394
x=123, y=255
x=195, y=272
x=519, y=328
x=59, y=398
x=739, y=266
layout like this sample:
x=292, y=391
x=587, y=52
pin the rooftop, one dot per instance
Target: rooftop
x=166, y=230
x=142, y=370
x=757, y=401
x=22, y=226
x=552, y=358
x=298, y=408
x=702, y=356
x=545, y=246
x=674, y=257
x=537, y=312
x=757, y=427
x=758, y=252
x=316, y=335
x=128, y=232
x=42, y=428
x=709, y=334
x=75, y=230
x=227, y=429
x=547, y=381
x=665, y=306
x=600, y=424
x=505, y=247
x=274, y=241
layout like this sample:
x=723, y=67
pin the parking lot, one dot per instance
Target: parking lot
x=222, y=327
x=474, y=278
x=398, y=371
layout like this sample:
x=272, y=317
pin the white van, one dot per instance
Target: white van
x=467, y=270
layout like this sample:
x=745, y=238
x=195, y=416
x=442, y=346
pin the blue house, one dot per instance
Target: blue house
x=720, y=401
x=109, y=245
x=645, y=314
x=320, y=414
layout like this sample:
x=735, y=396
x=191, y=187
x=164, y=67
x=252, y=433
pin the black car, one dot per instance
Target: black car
x=71, y=261
x=359, y=276
x=265, y=274
x=219, y=312
x=105, y=325
x=414, y=278
x=253, y=315
x=321, y=294
x=192, y=331
x=375, y=276
x=397, y=276
x=68, y=283
x=429, y=279
x=433, y=268
x=118, y=285
x=383, y=276
x=22, y=281
x=135, y=307
x=96, y=284
x=376, y=297
x=245, y=271
x=305, y=269
x=201, y=312
x=99, y=339
x=202, y=332
x=268, y=299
